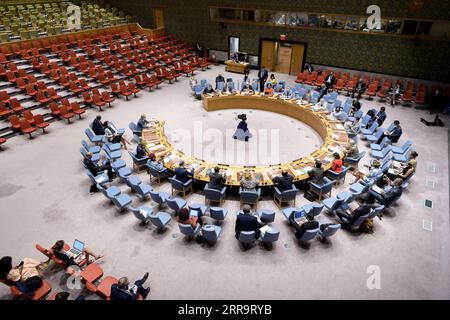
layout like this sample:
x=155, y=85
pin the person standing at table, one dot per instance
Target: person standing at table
x=263, y=74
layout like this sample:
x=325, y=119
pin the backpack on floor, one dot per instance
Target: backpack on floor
x=367, y=226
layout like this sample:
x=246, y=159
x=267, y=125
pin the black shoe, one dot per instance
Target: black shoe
x=246, y=139
x=234, y=137
x=145, y=277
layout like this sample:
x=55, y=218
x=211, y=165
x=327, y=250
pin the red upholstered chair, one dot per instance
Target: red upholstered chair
x=107, y=98
x=98, y=102
x=407, y=96
x=40, y=123
x=28, y=115
x=76, y=109
x=66, y=114
x=15, y=123
x=133, y=89
x=55, y=110
x=4, y=112
x=39, y=294
x=26, y=128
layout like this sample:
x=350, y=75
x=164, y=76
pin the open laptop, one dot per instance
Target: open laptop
x=77, y=249
x=193, y=213
x=299, y=217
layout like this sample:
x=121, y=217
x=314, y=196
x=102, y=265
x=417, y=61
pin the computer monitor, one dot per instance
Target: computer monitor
x=77, y=244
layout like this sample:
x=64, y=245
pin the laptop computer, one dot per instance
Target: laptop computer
x=299, y=216
x=193, y=213
x=77, y=249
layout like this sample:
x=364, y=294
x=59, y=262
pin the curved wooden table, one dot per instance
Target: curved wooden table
x=330, y=130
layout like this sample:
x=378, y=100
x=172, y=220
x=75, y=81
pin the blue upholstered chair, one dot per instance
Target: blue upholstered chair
x=308, y=235
x=122, y=201
x=332, y=204
x=138, y=162
x=371, y=129
x=93, y=138
x=247, y=238
x=124, y=173
x=118, y=164
x=349, y=161
x=214, y=195
x=211, y=233
x=88, y=148
x=133, y=127
x=141, y=213
x=378, y=147
x=100, y=179
x=338, y=177
x=188, y=231
x=266, y=216
x=198, y=91
x=158, y=175
x=315, y=208
x=285, y=196
x=375, y=211
x=249, y=197
x=288, y=212
x=403, y=149
x=321, y=190
x=111, y=192
x=180, y=187
x=175, y=203
x=218, y=214
x=159, y=197
x=142, y=190
x=269, y=237
x=372, y=138
x=329, y=230
x=112, y=155
x=133, y=181
x=381, y=154
x=160, y=220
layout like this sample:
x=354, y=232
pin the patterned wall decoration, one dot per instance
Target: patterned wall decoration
x=189, y=20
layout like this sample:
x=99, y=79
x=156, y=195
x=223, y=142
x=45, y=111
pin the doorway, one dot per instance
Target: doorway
x=158, y=17
x=282, y=57
x=233, y=47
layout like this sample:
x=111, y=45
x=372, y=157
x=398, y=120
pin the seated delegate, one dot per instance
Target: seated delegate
x=182, y=175
x=348, y=217
x=269, y=90
x=216, y=179
x=184, y=217
x=97, y=126
x=26, y=276
x=248, y=183
x=284, y=182
x=156, y=165
x=303, y=226
x=388, y=195
x=393, y=135
x=336, y=165
x=316, y=173
x=122, y=291
x=142, y=122
x=247, y=222
x=69, y=260
x=140, y=150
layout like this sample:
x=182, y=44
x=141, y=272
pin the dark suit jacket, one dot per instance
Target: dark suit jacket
x=183, y=175
x=247, y=222
x=94, y=169
x=395, y=134
x=97, y=127
x=118, y=294
x=317, y=175
x=140, y=152
x=219, y=79
x=216, y=181
x=330, y=79
x=310, y=225
x=284, y=183
x=359, y=212
x=263, y=74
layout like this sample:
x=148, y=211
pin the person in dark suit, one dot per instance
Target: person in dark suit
x=142, y=122
x=330, y=80
x=121, y=290
x=140, y=150
x=317, y=173
x=98, y=126
x=95, y=169
x=393, y=135
x=219, y=78
x=310, y=224
x=387, y=197
x=359, y=88
x=284, y=182
x=381, y=116
x=263, y=74
x=348, y=218
x=216, y=180
x=247, y=222
x=181, y=174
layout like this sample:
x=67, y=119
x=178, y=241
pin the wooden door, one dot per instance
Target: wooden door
x=284, y=59
x=158, y=15
x=298, y=51
x=267, y=55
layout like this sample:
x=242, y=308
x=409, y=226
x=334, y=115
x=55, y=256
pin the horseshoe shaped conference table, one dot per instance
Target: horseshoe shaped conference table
x=331, y=131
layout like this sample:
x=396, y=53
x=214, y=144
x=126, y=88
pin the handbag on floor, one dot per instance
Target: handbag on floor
x=310, y=196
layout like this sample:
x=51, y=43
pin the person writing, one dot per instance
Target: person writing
x=247, y=222
x=182, y=175
x=393, y=135
x=121, y=290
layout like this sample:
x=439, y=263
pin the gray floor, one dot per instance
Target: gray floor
x=44, y=196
